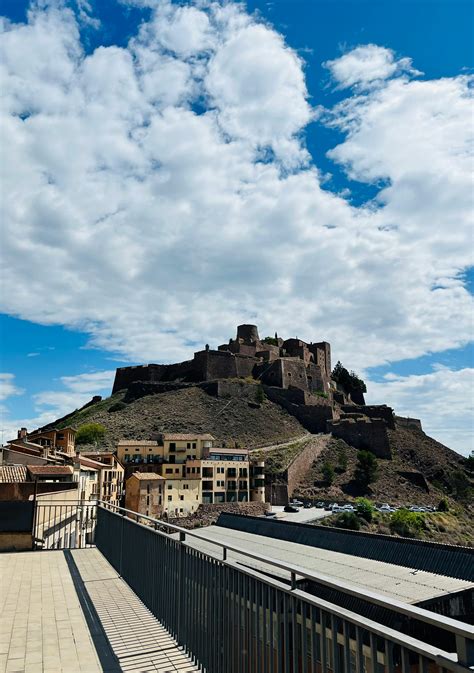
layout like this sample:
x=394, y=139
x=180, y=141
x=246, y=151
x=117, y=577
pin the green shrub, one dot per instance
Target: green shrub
x=348, y=380
x=118, y=406
x=90, y=433
x=407, y=524
x=365, y=509
x=470, y=462
x=443, y=505
x=341, y=460
x=348, y=520
x=260, y=395
x=321, y=394
x=366, y=468
x=459, y=484
x=328, y=473
x=271, y=341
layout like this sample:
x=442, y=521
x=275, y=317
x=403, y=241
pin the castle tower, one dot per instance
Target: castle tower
x=248, y=334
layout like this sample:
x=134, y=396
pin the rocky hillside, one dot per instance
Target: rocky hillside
x=190, y=409
x=421, y=471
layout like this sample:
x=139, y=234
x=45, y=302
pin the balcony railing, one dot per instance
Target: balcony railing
x=229, y=617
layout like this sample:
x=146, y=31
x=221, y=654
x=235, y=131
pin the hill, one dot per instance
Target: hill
x=421, y=469
x=189, y=409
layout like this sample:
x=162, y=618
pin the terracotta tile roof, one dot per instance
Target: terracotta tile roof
x=146, y=475
x=12, y=473
x=179, y=436
x=47, y=470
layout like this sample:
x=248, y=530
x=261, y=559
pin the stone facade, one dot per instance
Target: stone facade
x=290, y=363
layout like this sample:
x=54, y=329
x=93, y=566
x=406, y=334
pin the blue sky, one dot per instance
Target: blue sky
x=119, y=277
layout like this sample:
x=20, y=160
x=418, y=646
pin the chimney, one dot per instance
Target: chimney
x=22, y=433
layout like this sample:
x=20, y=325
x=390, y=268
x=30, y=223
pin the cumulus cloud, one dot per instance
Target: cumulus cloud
x=442, y=399
x=367, y=66
x=73, y=393
x=8, y=387
x=167, y=190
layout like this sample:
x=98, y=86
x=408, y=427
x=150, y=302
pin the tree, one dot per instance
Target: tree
x=348, y=380
x=365, y=509
x=90, y=433
x=328, y=473
x=366, y=468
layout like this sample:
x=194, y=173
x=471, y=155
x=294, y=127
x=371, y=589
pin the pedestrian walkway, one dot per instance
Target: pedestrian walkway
x=69, y=612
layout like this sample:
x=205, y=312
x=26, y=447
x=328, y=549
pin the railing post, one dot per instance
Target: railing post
x=465, y=651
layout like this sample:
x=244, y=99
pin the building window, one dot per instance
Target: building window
x=194, y=445
x=170, y=486
x=186, y=486
x=148, y=488
x=169, y=470
x=170, y=498
x=188, y=445
x=172, y=446
x=181, y=497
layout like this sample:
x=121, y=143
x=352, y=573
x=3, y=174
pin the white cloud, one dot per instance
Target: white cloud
x=367, y=66
x=443, y=400
x=8, y=387
x=52, y=404
x=153, y=183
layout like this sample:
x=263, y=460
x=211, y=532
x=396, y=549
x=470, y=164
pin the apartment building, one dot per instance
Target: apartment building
x=54, y=440
x=111, y=475
x=167, y=448
x=144, y=493
x=194, y=471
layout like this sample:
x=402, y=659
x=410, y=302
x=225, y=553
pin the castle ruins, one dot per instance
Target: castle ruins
x=293, y=373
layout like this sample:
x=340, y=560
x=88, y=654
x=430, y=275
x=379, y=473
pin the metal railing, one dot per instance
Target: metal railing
x=231, y=618
x=64, y=524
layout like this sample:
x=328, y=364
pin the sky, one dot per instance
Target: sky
x=173, y=169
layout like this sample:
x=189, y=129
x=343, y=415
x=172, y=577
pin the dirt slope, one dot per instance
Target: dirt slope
x=191, y=410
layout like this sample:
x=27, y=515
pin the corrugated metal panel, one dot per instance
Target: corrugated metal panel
x=437, y=558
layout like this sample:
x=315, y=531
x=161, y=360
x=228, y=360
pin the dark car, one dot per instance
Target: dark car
x=327, y=508
x=268, y=513
x=308, y=505
x=291, y=508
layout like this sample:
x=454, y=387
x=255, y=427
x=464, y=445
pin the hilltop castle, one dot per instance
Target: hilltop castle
x=289, y=363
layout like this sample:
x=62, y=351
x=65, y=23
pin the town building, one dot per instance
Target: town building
x=54, y=440
x=111, y=474
x=144, y=493
x=195, y=472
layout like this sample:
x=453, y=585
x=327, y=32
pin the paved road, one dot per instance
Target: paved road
x=303, y=516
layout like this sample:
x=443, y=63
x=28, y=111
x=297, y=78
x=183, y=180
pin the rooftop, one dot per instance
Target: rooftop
x=12, y=474
x=189, y=437
x=53, y=470
x=146, y=476
x=405, y=584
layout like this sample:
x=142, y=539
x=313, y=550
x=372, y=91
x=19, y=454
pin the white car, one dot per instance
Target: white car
x=386, y=508
x=337, y=510
x=348, y=508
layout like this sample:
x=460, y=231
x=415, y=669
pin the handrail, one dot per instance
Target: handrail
x=421, y=614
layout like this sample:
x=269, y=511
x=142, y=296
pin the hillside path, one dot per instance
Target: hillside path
x=294, y=440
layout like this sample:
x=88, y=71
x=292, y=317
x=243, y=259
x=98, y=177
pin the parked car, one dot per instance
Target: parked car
x=328, y=507
x=269, y=513
x=337, y=510
x=290, y=508
x=348, y=508
x=320, y=504
x=296, y=503
x=308, y=505
x=386, y=508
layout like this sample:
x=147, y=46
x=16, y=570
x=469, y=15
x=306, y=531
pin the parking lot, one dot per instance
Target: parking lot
x=303, y=516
